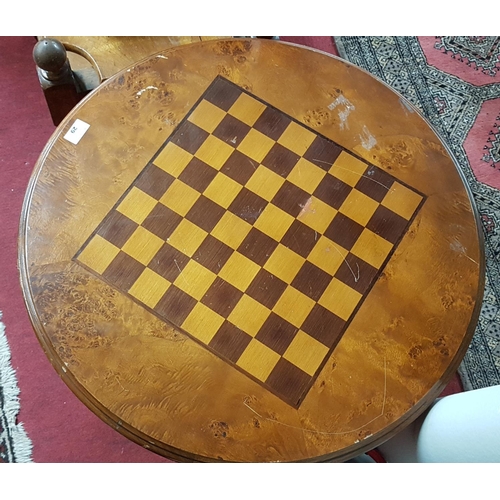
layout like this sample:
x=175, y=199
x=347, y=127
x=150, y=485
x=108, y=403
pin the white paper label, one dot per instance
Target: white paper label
x=77, y=131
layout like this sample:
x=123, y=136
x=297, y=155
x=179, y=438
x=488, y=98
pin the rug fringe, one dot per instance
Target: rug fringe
x=22, y=446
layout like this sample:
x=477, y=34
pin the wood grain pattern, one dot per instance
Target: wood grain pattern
x=247, y=376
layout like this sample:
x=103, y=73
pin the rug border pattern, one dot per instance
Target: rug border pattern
x=13, y=437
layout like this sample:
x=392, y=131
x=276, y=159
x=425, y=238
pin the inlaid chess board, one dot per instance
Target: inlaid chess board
x=254, y=235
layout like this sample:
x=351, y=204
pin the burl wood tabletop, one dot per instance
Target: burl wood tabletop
x=245, y=250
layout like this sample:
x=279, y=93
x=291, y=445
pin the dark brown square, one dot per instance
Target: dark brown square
x=332, y=191
x=272, y=123
x=123, y=271
x=168, y=262
x=356, y=273
x=223, y=94
x=239, y=167
x=257, y=246
x=221, y=297
x=189, y=137
x=324, y=326
x=276, y=333
x=231, y=130
x=154, y=181
x=117, y=228
x=175, y=305
x=344, y=231
x=387, y=224
x=212, y=254
x=162, y=221
x=300, y=238
x=247, y=205
x=291, y=198
x=375, y=183
x=311, y=281
x=205, y=213
x=230, y=341
x=280, y=160
x=266, y=288
x=289, y=381
x=322, y=153
x=198, y=175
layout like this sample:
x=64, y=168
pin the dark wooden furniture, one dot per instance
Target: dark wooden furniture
x=252, y=251
x=88, y=61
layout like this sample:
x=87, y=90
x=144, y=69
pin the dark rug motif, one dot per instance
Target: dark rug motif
x=452, y=106
x=481, y=51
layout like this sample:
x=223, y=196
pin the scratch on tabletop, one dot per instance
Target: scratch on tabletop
x=458, y=247
x=470, y=258
x=367, y=139
x=354, y=172
x=306, y=207
x=344, y=112
x=356, y=278
x=119, y=383
x=180, y=272
x=324, y=433
x=150, y=87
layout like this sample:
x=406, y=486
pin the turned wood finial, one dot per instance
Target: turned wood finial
x=51, y=58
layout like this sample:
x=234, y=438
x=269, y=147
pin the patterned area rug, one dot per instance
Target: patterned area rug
x=455, y=83
x=15, y=446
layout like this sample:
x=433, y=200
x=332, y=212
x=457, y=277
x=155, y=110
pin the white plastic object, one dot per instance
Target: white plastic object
x=463, y=427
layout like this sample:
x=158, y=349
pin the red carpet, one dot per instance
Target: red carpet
x=60, y=427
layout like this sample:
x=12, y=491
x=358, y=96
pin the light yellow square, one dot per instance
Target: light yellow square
x=317, y=214
x=293, y=306
x=187, y=237
x=214, y=152
x=340, y=299
x=265, y=183
x=348, y=168
x=284, y=263
x=249, y=315
x=179, y=197
x=359, y=207
x=98, y=254
x=173, y=159
x=306, y=175
x=231, y=230
x=142, y=245
x=297, y=138
x=137, y=205
x=258, y=360
x=247, y=109
x=274, y=222
x=207, y=116
x=256, y=145
x=195, y=280
x=306, y=353
x=223, y=190
x=149, y=288
x=202, y=323
x=239, y=271
x=327, y=255
x=371, y=248
x=402, y=200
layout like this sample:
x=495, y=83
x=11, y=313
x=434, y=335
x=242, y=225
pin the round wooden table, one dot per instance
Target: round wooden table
x=249, y=251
